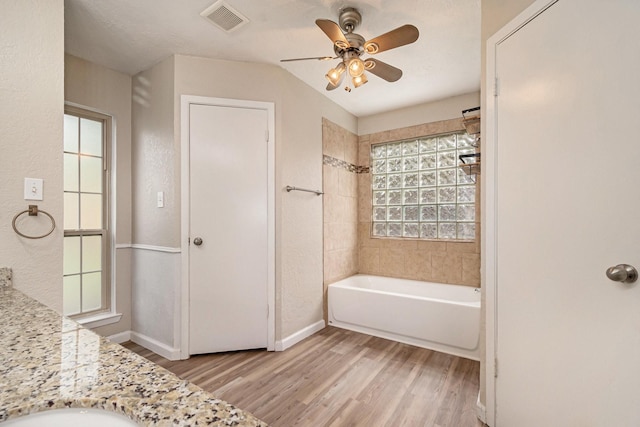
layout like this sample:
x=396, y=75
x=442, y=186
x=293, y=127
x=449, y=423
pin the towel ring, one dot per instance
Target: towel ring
x=33, y=211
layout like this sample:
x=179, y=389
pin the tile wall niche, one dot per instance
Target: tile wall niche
x=435, y=261
x=340, y=203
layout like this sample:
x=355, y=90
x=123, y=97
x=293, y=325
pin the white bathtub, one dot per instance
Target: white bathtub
x=436, y=316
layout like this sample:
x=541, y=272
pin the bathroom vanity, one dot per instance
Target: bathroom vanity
x=48, y=362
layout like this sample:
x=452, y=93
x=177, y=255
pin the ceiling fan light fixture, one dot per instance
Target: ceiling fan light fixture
x=371, y=48
x=335, y=74
x=359, y=80
x=356, y=67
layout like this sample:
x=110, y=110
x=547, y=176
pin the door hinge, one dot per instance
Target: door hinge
x=266, y=135
x=267, y=311
x=496, y=87
x=495, y=368
x=188, y=240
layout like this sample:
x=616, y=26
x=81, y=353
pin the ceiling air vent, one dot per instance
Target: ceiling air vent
x=224, y=16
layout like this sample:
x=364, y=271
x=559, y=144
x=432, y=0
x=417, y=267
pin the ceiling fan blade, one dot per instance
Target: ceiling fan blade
x=394, y=38
x=333, y=31
x=319, y=58
x=383, y=70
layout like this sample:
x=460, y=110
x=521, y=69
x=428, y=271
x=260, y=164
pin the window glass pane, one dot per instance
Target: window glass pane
x=394, y=229
x=467, y=231
x=71, y=295
x=380, y=182
x=428, y=230
x=428, y=145
x=91, y=174
x=91, y=211
x=446, y=231
x=91, y=253
x=395, y=181
x=466, y=194
x=71, y=210
x=410, y=230
x=70, y=133
x=70, y=172
x=379, y=213
x=71, y=255
x=378, y=152
x=91, y=137
x=91, y=291
x=465, y=140
x=466, y=213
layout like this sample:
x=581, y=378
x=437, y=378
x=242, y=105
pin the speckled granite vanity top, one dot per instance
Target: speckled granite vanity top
x=48, y=362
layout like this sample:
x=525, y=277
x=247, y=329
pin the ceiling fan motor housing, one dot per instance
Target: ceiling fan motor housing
x=349, y=19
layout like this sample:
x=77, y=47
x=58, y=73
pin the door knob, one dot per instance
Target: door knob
x=624, y=273
x=197, y=241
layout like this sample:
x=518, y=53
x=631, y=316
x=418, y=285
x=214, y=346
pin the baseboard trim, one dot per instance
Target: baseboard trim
x=296, y=337
x=156, y=346
x=481, y=410
x=120, y=337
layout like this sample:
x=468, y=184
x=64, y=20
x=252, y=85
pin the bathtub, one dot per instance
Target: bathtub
x=436, y=316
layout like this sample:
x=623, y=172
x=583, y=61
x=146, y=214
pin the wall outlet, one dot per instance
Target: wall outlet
x=33, y=189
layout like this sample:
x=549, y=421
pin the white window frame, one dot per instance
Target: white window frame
x=106, y=314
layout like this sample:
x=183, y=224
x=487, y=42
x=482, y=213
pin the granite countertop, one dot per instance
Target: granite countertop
x=48, y=361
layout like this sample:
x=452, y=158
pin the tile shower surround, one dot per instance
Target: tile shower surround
x=437, y=261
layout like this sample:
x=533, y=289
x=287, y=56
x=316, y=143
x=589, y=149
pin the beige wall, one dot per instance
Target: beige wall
x=155, y=264
x=31, y=111
x=428, y=112
x=100, y=89
x=155, y=166
x=340, y=203
x=434, y=261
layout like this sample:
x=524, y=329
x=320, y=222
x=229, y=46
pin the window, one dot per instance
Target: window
x=420, y=192
x=86, y=220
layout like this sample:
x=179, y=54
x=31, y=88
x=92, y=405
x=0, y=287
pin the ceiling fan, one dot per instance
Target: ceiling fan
x=349, y=47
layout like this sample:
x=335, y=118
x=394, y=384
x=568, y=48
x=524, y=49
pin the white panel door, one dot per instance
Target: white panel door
x=567, y=208
x=228, y=205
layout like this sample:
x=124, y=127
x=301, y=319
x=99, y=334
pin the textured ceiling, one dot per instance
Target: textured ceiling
x=131, y=36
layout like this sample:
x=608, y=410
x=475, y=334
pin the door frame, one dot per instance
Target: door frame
x=185, y=102
x=489, y=179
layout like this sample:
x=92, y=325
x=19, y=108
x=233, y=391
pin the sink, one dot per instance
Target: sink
x=69, y=417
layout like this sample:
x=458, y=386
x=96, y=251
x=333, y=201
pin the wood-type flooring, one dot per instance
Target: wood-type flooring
x=339, y=378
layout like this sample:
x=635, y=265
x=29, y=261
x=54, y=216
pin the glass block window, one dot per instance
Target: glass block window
x=85, y=249
x=420, y=192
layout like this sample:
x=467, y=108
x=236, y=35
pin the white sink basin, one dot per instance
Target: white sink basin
x=71, y=417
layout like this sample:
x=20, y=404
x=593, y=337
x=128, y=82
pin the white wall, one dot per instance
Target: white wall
x=109, y=92
x=444, y=109
x=31, y=111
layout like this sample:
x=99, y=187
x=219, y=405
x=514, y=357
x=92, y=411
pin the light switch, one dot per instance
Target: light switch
x=33, y=189
x=161, y=199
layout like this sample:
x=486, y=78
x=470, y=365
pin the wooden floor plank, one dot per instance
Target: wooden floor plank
x=339, y=378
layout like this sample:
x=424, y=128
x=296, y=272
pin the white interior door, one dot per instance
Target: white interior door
x=567, y=208
x=228, y=265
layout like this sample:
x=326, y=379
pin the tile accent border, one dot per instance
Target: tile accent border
x=341, y=164
x=5, y=277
